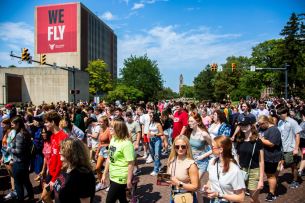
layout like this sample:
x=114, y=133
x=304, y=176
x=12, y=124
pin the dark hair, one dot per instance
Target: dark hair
x=49, y=133
x=90, y=108
x=21, y=128
x=77, y=110
x=89, y=121
x=45, y=107
x=156, y=118
x=52, y=107
x=221, y=116
x=248, y=105
x=128, y=114
x=282, y=110
x=67, y=119
x=52, y=116
x=302, y=112
x=241, y=135
x=179, y=104
x=118, y=109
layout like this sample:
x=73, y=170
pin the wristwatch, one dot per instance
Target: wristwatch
x=181, y=184
x=220, y=195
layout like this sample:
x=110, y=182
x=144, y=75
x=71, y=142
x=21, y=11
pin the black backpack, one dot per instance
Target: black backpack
x=171, y=123
x=33, y=150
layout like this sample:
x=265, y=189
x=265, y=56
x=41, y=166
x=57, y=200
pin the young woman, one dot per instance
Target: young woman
x=199, y=138
x=183, y=168
x=271, y=138
x=102, y=149
x=170, y=114
x=120, y=162
x=166, y=126
x=8, y=135
x=46, y=135
x=155, y=133
x=251, y=157
x=224, y=128
x=93, y=134
x=29, y=120
x=20, y=150
x=144, y=121
x=70, y=129
x=205, y=118
x=76, y=181
x=213, y=129
x=226, y=181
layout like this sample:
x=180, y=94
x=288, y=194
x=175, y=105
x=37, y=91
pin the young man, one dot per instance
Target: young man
x=290, y=132
x=11, y=110
x=45, y=109
x=180, y=120
x=98, y=111
x=135, y=132
x=246, y=108
x=262, y=110
x=51, y=121
x=91, y=113
x=118, y=113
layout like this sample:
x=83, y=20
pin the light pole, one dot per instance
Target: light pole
x=3, y=87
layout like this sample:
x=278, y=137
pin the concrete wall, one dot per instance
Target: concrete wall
x=45, y=84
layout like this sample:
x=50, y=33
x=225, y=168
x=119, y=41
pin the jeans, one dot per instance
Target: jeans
x=173, y=201
x=155, y=151
x=21, y=177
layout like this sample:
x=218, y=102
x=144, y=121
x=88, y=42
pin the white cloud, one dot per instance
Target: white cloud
x=219, y=26
x=14, y=47
x=263, y=34
x=125, y=1
x=17, y=32
x=132, y=13
x=151, y=1
x=181, y=50
x=189, y=9
x=108, y=16
x=137, y=6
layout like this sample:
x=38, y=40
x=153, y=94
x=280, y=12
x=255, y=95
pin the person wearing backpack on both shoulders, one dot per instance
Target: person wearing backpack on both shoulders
x=20, y=149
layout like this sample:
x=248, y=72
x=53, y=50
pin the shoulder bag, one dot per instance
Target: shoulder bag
x=246, y=173
x=181, y=197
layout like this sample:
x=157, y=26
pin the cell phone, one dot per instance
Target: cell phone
x=162, y=178
x=199, y=190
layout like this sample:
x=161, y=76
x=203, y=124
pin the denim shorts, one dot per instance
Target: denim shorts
x=202, y=164
x=102, y=153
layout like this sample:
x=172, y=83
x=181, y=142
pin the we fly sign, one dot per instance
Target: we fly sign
x=57, y=28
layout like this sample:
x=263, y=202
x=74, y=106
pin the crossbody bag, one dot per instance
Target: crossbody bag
x=181, y=197
x=246, y=173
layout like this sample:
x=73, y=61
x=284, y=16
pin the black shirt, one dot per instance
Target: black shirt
x=272, y=154
x=70, y=187
x=245, y=149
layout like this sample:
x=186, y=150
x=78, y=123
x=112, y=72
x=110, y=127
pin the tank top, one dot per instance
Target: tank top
x=153, y=129
x=213, y=133
x=197, y=144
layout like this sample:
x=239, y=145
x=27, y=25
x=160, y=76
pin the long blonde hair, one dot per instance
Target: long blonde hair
x=264, y=118
x=174, y=154
x=77, y=153
x=29, y=110
x=120, y=129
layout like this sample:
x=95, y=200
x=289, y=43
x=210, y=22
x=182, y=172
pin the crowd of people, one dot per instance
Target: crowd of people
x=235, y=144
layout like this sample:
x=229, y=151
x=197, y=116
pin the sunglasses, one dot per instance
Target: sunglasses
x=182, y=146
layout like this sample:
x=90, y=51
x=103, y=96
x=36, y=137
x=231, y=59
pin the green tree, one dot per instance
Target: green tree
x=99, y=77
x=11, y=66
x=144, y=74
x=187, y=91
x=124, y=93
x=204, y=87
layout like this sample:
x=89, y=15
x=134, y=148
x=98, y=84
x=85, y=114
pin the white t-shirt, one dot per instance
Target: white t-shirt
x=263, y=112
x=94, y=141
x=230, y=182
x=145, y=119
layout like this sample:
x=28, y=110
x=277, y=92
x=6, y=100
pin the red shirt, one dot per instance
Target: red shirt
x=180, y=120
x=55, y=165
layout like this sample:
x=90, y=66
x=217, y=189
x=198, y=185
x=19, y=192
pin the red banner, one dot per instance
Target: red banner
x=57, y=28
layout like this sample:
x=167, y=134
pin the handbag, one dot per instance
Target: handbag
x=181, y=197
x=246, y=173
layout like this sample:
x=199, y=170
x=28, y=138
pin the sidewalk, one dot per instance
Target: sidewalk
x=148, y=191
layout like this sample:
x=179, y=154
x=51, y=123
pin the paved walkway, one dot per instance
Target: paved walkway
x=148, y=191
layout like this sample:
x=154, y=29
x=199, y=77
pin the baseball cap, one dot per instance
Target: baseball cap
x=246, y=121
x=8, y=106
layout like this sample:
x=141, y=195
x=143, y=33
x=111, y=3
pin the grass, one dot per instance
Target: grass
x=235, y=102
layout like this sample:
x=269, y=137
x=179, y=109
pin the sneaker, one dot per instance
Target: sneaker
x=247, y=192
x=149, y=160
x=300, y=173
x=164, y=153
x=98, y=187
x=145, y=156
x=162, y=150
x=153, y=173
x=107, y=189
x=169, y=148
x=160, y=168
x=270, y=197
x=294, y=184
x=136, y=171
x=12, y=194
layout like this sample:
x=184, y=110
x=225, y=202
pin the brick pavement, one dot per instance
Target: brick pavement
x=147, y=190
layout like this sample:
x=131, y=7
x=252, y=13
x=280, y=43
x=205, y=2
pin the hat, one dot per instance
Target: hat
x=37, y=119
x=223, y=102
x=246, y=121
x=8, y=106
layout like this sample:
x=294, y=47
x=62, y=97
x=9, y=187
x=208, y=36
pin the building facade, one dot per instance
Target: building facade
x=72, y=35
x=180, y=82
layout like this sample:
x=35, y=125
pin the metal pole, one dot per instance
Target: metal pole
x=286, y=81
x=73, y=83
x=3, y=87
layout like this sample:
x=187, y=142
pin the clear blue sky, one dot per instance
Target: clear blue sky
x=182, y=35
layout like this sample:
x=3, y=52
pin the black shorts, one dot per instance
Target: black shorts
x=302, y=143
x=271, y=168
x=48, y=178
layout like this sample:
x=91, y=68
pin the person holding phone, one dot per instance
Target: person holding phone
x=183, y=169
x=226, y=181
